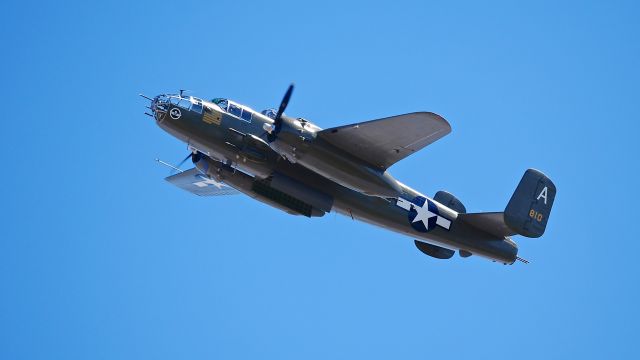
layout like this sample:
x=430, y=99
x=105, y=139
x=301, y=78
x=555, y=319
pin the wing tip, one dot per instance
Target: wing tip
x=438, y=117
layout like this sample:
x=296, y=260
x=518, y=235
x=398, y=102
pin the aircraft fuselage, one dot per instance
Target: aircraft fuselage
x=328, y=180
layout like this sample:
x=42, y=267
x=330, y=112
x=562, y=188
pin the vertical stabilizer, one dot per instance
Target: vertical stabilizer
x=530, y=206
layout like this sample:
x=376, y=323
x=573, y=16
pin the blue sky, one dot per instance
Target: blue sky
x=101, y=258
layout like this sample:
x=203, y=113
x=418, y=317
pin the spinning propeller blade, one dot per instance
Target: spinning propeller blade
x=194, y=156
x=182, y=162
x=277, y=123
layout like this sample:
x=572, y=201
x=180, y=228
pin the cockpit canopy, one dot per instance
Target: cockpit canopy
x=162, y=103
x=234, y=109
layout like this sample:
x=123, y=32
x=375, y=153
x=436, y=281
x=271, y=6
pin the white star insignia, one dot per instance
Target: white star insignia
x=423, y=214
x=207, y=182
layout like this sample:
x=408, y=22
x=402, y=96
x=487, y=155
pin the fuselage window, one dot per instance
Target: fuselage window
x=185, y=104
x=221, y=102
x=197, y=108
x=197, y=105
x=246, y=115
x=235, y=110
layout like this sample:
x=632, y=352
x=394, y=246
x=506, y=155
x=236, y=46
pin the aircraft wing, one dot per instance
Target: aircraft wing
x=194, y=182
x=384, y=142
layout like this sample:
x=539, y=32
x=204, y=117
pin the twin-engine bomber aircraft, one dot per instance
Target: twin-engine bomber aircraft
x=295, y=166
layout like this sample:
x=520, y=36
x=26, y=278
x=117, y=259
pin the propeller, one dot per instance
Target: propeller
x=194, y=156
x=277, y=122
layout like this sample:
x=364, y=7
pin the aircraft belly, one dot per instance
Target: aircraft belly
x=388, y=214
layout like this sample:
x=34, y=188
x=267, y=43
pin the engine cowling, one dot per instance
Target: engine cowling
x=296, y=141
x=293, y=137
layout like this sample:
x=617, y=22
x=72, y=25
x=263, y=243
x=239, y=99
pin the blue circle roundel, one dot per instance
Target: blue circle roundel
x=423, y=214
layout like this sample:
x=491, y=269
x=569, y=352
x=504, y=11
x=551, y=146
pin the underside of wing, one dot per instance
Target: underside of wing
x=196, y=183
x=384, y=142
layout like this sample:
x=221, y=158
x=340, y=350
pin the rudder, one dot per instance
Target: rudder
x=530, y=206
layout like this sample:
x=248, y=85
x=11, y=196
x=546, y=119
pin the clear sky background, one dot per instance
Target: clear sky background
x=100, y=258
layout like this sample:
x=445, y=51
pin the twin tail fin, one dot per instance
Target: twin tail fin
x=526, y=213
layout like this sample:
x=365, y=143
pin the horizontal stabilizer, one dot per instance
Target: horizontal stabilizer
x=449, y=200
x=489, y=222
x=196, y=183
x=527, y=212
x=383, y=142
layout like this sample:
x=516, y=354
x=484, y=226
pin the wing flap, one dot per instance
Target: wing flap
x=384, y=142
x=194, y=182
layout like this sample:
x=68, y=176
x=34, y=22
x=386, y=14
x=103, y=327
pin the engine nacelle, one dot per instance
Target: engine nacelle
x=316, y=198
x=296, y=141
x=292, y=137
x=278, y=191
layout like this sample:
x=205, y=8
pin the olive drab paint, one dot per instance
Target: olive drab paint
x=295, y=166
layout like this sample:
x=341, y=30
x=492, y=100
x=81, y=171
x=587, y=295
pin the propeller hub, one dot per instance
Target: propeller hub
x=196, y=156
x=269, y=128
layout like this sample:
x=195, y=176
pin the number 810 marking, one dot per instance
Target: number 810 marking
x=535, y=215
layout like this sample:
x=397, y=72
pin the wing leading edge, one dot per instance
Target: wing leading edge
x=384, y=142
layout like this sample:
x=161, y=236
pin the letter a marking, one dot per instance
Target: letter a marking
x=543, y=194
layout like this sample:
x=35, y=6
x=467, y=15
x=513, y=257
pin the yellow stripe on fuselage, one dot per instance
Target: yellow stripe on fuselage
x=211, y=117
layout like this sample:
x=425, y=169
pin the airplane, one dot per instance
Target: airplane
x=293, y=165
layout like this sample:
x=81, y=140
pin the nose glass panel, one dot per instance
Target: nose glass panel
x=160, y=106
x=162, y=103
